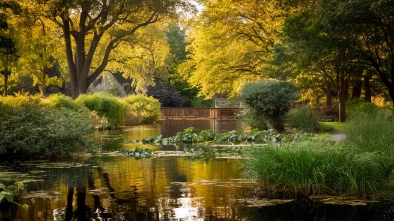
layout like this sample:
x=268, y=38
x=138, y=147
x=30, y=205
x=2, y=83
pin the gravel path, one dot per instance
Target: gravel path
x=338, y=136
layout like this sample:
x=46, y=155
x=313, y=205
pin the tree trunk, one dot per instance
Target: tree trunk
x=367, y=89
x=328, y=96
x=342, y=87
x=5, y=85
x=342, y=104
x=6, y=73
x=74, y=87
x=356, y=90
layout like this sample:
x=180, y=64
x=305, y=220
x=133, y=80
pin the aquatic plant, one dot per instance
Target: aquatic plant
x=137, y=152
x=254, y=136
x=7, y=197
x=314, y=167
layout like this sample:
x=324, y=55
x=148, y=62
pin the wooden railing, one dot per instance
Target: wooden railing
x=199, y=113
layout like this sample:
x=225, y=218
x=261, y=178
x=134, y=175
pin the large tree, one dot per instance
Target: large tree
x=8, y=49
x=370, y=23
x=39, y=51
x=231, y=44
x=322, y=52
x=90, y=25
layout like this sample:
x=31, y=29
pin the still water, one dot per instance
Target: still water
x=115, y=187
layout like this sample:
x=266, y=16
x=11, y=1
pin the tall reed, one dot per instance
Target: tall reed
x=303, y=119
x=314, y=167
x=373, y=130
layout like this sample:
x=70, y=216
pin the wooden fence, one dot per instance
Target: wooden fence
x=199, y=113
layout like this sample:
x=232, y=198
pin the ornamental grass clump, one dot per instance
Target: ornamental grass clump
x=105, y=105
x=303, y=119
x=314, y=167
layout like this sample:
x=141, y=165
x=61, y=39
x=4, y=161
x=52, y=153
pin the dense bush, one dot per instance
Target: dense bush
x=105, y=105
x=303, y=119
x=168, y=97
x=146, y=109
x=253, y=120
x=30, y=131
x=314, y=167
x=271, y=100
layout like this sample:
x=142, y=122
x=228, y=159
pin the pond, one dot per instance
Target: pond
x=118, y=187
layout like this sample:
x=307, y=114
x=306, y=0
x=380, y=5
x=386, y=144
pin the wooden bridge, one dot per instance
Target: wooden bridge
x=199, y=113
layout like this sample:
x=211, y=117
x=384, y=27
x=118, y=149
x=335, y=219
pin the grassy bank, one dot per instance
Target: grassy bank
x=362, y=164
x=314, y=167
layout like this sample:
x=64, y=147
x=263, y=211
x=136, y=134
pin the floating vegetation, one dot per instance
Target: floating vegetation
x=342, y=200
x=322, y=199
x=40, y=194
x=254, y=202
x=136, y=153
x=255, y=136
x=61, y=165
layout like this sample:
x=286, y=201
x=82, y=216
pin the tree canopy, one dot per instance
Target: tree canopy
x=329, y=49
x=92, y=29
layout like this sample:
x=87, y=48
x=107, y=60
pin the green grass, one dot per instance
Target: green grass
x=373, y=131
x=314, y=167
x=336, y=126
x=303, y=119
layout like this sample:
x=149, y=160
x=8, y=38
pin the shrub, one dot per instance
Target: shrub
x=105, y=105
x=29, y=131
x=147, y=109
x=314, y=167
x=271, y=100
x=253, y=120
x=60, y=101
x=303, y=119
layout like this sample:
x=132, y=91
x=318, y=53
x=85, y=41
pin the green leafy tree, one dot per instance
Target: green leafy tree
x=370, y=25
x=270, y=100
x=8, y=49
x=39, y=50
x=92, y=29
x=176, y=38
x=145, y=56
x=231, y=44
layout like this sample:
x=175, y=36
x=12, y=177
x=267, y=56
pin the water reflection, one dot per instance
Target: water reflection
x=167, y=188
x=163, y=188
x=130, y=137
x=171, y=127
